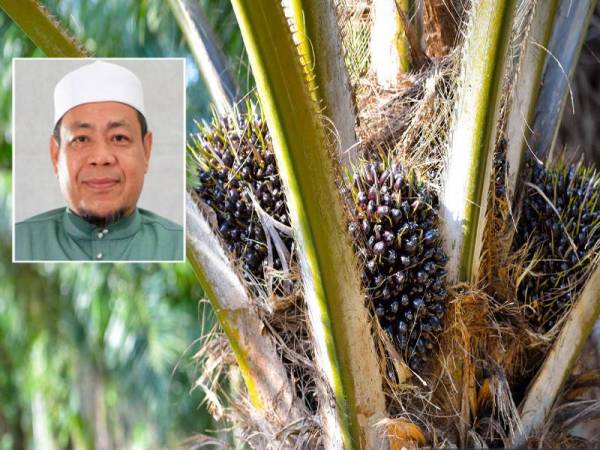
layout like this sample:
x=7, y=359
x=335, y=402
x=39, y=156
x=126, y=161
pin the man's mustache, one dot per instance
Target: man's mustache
x=99, y=177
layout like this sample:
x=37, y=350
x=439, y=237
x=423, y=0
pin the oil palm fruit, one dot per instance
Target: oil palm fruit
x=559, y=224
x=395, y=225
x=237, y=177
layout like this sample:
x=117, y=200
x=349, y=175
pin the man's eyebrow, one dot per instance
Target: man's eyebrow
x=79, y=124
x=118, y=124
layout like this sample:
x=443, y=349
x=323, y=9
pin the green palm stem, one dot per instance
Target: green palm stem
x=261, y=368
x=344, y=349
x=467, y=176
x=44, y=31
x=565, y=46
x=473, y=136
x=319, y=42
x=527, y=89
x=208, y=53
x=560, y=360
x=269, y=389
x=390, y=51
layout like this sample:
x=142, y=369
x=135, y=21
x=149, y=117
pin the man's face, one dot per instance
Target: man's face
x=102, y=159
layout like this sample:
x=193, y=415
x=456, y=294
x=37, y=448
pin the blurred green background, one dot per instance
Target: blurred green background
x=101, y=356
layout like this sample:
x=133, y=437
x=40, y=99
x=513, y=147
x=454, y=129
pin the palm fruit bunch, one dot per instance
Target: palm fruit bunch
x=559, y=224
x=238, y=179
x=395, y=225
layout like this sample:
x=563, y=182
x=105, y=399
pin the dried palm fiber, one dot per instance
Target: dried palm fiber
x=441, y=20
x=227, y=401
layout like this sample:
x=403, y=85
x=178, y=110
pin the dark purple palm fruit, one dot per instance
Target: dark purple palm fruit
x=396, y=230
x=236, y=164
x=559, y=223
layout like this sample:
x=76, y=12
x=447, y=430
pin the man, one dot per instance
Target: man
x=100, y=150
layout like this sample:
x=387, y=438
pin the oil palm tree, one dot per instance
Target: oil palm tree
x=318, y=368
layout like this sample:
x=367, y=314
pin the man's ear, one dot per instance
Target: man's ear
x=147, y=149
x=54, y=150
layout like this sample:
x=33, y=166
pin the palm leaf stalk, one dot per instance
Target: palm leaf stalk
x=567, y=39
x=319, y=41
x=338, y=318
x=390, y=51
x=527, y=89
x=261, y=368
x=470, y=154
x=45, y=32
x=560, y=359
x=208, y=54
x=466, y=179
x=269, y=389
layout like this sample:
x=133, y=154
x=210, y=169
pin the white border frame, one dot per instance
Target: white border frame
x=183, y=156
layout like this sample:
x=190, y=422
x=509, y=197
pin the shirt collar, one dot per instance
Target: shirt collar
x=78, y=228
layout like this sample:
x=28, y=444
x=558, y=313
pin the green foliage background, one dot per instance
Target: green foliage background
x=81, y=343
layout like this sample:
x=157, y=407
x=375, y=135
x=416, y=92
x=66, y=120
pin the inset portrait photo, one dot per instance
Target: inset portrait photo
x=98, y=159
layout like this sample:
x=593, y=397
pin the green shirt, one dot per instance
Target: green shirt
x=61, y=235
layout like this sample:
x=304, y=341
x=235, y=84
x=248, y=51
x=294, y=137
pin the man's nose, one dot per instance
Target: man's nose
x=102, y=154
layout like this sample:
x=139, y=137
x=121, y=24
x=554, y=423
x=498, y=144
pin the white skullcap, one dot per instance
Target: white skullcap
x=97, y=82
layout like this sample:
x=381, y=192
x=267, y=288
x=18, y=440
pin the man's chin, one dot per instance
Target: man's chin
x=102, y=219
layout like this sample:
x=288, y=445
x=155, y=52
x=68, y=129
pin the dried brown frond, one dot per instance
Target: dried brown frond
x=411, y=123
x=226, y=396
x=404, y=435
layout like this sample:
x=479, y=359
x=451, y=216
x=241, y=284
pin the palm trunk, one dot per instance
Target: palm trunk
x=43, y=438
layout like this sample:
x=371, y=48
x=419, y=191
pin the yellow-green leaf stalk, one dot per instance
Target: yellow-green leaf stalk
x=319, y=42
x=208, y=53
x=44, y=31
x=560, y=360
x=567, y=39
x=339, y=321
x=527, y=88
x=269, y=389
x=473, y=135
x=390, y=52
